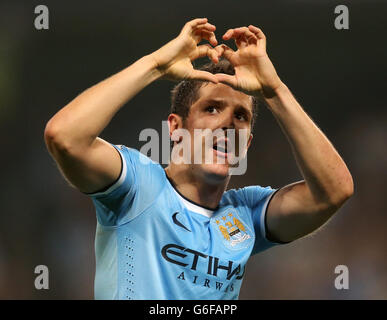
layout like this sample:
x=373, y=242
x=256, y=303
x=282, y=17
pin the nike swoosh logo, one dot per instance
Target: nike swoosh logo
x=177, y=222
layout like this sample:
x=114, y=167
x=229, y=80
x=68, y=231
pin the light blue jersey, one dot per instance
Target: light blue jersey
x=152, y=243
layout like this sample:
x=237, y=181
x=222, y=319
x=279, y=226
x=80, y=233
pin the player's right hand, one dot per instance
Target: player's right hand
x=174, y=60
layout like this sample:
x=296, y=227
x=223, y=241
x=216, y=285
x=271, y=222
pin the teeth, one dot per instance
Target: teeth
x=220, y=149
x=221, y=146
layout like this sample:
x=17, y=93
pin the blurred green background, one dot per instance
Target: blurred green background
x=339, y=76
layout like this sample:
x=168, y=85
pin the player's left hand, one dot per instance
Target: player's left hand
x=254, y=72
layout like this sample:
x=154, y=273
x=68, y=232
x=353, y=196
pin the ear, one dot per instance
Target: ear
x=249, y=141
x=174, y=122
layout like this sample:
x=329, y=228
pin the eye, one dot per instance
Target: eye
x=241, y=116
x=211, y=109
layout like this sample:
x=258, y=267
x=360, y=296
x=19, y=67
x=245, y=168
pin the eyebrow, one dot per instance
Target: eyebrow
x=214, y=100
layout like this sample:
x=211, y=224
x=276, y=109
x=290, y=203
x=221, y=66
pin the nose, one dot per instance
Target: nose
x=227, y=120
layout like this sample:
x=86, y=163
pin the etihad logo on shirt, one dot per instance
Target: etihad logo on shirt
x=186, y=257
x=204, y=266
x=233, y=230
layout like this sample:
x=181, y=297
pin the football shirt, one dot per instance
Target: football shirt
x=152, y=243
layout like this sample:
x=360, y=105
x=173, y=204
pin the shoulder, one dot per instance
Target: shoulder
x=138, y=162
x=144, y=179
x=134, y=155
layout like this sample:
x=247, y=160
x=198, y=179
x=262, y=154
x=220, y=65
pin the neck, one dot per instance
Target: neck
x=204, y=190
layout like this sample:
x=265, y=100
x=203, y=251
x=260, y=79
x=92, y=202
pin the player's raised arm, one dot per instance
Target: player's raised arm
x=300, y=208
x=90, y=163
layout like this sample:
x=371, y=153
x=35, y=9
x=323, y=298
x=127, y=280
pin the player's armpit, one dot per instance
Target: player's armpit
x=88, y=169
x=293, y=212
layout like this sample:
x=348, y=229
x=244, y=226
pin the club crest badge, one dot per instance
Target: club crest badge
x=233, y=231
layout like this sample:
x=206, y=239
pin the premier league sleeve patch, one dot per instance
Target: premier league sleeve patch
x=234, y=232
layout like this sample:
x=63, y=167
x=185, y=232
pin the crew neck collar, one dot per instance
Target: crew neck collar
x=189, y=204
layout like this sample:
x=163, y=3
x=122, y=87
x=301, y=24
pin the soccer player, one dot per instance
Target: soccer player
x=176, y=233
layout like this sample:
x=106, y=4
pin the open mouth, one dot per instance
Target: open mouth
x=221, y=148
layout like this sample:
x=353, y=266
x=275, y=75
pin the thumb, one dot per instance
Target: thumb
x=203, y=75
x=227, y=79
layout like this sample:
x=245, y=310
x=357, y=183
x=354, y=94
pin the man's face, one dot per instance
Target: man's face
x=219, y=107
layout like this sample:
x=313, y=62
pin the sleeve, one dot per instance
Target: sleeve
x=111, y=202
x=257, y=199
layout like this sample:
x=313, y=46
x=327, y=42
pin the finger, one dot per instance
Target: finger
x=219, y=49
x=240, y=42
x=190, y=26
x=195, y=22
x=258, y=32
x=237, y=32
x=204, y=34
x=242, y=36
x=208, y=27
x=228, y=34
x=246, y=35
x=227, y=52
x=204, y=75
x=206, y=50
x=252, y=39
x=227, y=79
x=204, y=26
x=243, y=31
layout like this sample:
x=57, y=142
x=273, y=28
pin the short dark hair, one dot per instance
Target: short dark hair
x=185, y=93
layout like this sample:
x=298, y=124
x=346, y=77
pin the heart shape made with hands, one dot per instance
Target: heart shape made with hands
x=254, y=72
